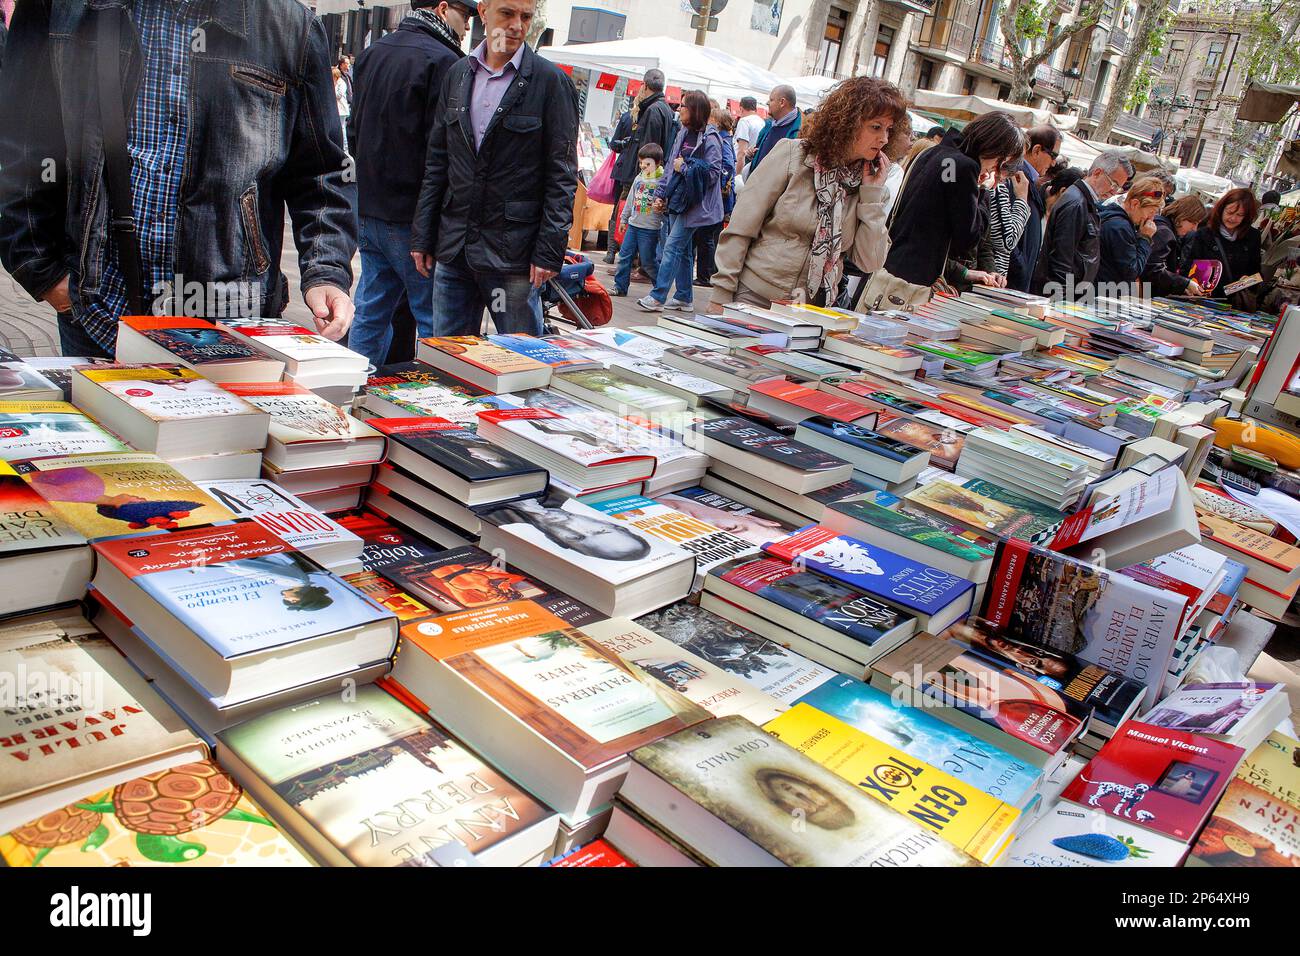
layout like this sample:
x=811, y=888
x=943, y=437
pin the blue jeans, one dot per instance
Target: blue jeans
x=676, y=263
x=642, y=241
x=460, y=295
x=386, y=271
x=74, y=340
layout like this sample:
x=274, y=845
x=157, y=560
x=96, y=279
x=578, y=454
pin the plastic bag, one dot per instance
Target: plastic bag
x=602, y=188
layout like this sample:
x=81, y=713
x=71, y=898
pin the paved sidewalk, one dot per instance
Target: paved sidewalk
x=29, y=328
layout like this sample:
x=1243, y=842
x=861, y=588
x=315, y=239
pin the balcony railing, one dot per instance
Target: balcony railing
x=1135, y=127
x=993, y=53
x=1117, y=40
x=945, y=33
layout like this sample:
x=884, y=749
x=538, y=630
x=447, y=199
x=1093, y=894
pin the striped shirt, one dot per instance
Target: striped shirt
x=156, y=144
x=1007, y=217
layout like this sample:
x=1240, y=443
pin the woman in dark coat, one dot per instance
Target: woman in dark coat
x=1176, y=221
x=1229, y=237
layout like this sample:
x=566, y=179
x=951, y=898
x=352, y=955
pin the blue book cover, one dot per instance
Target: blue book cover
x=909, y=584
x=542, y=351
x=865, y=439
x=240, y=588
x=926, y=737
x=852, y=613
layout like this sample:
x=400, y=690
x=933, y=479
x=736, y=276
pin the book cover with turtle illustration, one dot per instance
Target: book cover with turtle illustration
x=372, y=783
x=1071, y=835
x=110, y=495
x=79, y=717
x=1257, y=823
x=194, y=814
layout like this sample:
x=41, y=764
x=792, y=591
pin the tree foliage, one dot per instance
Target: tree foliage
x=1031, y=39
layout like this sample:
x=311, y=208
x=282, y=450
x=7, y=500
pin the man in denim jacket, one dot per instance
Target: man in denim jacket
x=231, y=117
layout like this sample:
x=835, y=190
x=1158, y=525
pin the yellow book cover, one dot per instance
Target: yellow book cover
x=108, y=495
x=194, y=814
x=965, y=816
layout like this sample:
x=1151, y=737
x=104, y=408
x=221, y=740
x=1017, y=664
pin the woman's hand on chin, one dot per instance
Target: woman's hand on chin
x=882, y=170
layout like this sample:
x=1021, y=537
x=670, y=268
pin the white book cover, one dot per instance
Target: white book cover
x=1018, y=445
x=169, y=398
x=1219, y=709
x=279, y=512
x=296, y=343
x=577, y=534
x=1071, y=835
x=710, y=545
x=29, y=430
x=672, y=376
x=627, y=343
x=567, y=437
x=672, y=337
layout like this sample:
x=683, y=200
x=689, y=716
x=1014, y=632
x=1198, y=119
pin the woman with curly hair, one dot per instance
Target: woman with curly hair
x=813, y=202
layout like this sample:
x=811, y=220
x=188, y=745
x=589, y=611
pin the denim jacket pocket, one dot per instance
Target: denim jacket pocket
x=90, y=263
x=263, y=79
x=253, y=230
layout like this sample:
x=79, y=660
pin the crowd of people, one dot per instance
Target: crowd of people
x=455, y=174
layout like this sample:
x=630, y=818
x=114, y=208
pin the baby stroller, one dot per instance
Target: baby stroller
x=577, y=295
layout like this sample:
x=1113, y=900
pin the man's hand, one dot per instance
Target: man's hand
x=332, y=309
x=423, y=263
x=540, y=276
x=1020, y=184
x=58, y=297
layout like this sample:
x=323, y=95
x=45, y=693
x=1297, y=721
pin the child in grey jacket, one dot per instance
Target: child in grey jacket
x=642, y=222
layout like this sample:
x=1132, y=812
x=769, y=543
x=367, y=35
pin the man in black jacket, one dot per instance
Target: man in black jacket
x=499, y=180
x=1042, y=146
x=1068, y=263
x=395, y=104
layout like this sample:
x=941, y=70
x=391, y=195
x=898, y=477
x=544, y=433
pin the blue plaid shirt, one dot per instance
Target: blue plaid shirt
x=156, y=142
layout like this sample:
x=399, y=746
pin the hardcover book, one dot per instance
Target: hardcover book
x=191, y=815
x=379, y=783
x=423, y=391
x=777, y=671
x=963, y=815
x=51, y=430
x=728, y=515
x=696, y=679
x=909, y=584
x=298, y=346
x=792, y=401
x=1257, y=823
x=922, y=733
x=1061, y=604
x=197, y=343
x=740, y=370
x=164, y=393
x=1165, y=780
x=108, y=495
x=771, y=446
x=753, y=785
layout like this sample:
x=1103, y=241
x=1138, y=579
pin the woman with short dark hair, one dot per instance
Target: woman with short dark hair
x=1228, y=236
x=691, y=195
x=942, y=209
x=1174, y=223
x=814, y=202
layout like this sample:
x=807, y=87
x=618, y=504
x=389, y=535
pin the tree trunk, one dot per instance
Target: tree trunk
x=538, y=26
x=1148, y=16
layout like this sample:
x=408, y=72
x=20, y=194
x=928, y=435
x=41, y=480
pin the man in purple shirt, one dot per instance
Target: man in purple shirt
x=496, y=203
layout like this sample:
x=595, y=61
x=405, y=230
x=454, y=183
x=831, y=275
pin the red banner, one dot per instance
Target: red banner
x=607, y=81
x=634, y=87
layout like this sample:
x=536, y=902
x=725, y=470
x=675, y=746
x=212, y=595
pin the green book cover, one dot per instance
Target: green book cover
x=922, y=530
x=955, y=353
x=1024, y=320
x=1047, y=515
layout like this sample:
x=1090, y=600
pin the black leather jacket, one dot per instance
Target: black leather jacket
x=1072, y=246
x=263, y=134
x=509, y=204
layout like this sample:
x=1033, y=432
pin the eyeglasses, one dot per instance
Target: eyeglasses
x=1118, y=187
x=1054, y=153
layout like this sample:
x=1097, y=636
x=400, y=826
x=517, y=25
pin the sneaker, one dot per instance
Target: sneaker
x=649, y=304
x=677, y=305
x=619, y=292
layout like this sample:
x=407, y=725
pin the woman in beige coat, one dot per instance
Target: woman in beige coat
x=813, y=202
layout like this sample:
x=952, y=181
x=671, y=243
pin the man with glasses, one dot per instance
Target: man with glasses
x=1042, y=147
x=1067, y=265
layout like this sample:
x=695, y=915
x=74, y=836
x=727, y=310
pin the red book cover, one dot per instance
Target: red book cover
x=595, y=854
x=814, y=400
x=190, y=548
x=1163, y=779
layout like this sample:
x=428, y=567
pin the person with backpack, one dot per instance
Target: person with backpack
x=691, y=194
x=706, y=239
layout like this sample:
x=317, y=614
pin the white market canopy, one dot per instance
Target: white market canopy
x=811, y=90
x=966, y=106
x=686, y=65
